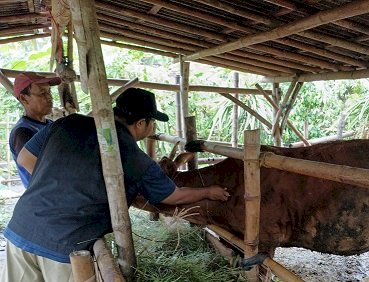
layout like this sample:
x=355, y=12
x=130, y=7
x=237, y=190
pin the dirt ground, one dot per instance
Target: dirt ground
x=308, y=265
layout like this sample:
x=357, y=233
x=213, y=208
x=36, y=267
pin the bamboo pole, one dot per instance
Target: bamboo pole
x=276, y=97
x=323, y=52
x=350, y=9
x=184, y=89
x=191, y=134
x=339, y=173
x=22, y=18
x=89, y=49
x=215, y=148
x=290, y=104
x=276, y=268
x=334, y=41
x=82, y=266
x=169, y=138
x=322, y=139
x=235, y=112
x=321, y=76
x=159, y=21
x=297, y=57
x=23, y=38
x=274, y=105
x=282, y=106
x=6, y=82
x=154, y=85
x=252, y=197
x=150, y=151
x=179, y=118
x=247, y=109
x=22, y=29
x=108, y=269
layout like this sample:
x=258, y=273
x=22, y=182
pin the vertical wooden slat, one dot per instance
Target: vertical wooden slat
x=89, y=48
x=276, y=98
x=234, y=140
x=252, y=197
x=191, y=135
x=184, y=89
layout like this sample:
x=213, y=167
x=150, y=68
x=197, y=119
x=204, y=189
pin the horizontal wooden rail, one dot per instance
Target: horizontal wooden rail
x=276, y=268
x=340, y=173
x=157, y=86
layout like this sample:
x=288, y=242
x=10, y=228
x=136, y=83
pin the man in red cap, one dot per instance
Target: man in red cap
x=33, y=92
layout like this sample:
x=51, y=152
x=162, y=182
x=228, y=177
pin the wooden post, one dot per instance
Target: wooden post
x=179, y=118
x=275, y=107
x=184, y=88
x=6, y=82
x=252, y=197
x=150, y=150
x=290, y=104
x=235, y=113
x=276, y=98
x=108, y=269
x=191, y=135
x=82, y=266
x=282, y=106
x=91, y=59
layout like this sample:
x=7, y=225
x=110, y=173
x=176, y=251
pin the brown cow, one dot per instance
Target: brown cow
x=296, y=210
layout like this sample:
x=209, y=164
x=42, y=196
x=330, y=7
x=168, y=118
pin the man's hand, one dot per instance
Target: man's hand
x=218, y=193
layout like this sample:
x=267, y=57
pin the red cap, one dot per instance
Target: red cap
x=25, y=79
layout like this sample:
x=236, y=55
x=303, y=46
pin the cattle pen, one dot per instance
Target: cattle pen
x=284, y=41
x=254, y=159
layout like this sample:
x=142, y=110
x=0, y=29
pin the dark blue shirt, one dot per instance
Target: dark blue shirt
x=23, y=131
x=65, y=207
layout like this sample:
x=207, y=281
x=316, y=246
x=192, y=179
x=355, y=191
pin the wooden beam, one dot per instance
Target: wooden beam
x=247, y=109
x=23, y=38
x=158, y=21
x=359, y=48
x=339, y=173
x=6, y=82
x=22, y=18
x=200, y=15
x=324, y=53
x=235, y=11
x=22, y=29
x=87, y=37
x=322, y=76
x=350, y=9
x=283, y=3
x=154, y=85
x=204, y=44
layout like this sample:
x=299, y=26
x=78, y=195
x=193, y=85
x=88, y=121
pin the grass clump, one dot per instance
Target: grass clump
x=178, y=252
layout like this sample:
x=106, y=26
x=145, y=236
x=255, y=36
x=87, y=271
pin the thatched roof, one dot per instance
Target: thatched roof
x=275, y=38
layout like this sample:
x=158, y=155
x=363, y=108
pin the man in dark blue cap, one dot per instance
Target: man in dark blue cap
x=65, y=207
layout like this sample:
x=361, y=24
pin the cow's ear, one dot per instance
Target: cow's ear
x=183, y=158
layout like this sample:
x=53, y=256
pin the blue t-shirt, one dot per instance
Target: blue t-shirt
x=23, y=131
x=65, y=207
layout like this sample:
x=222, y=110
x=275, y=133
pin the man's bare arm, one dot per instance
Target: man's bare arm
x=27, y=160
x=187, y=195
